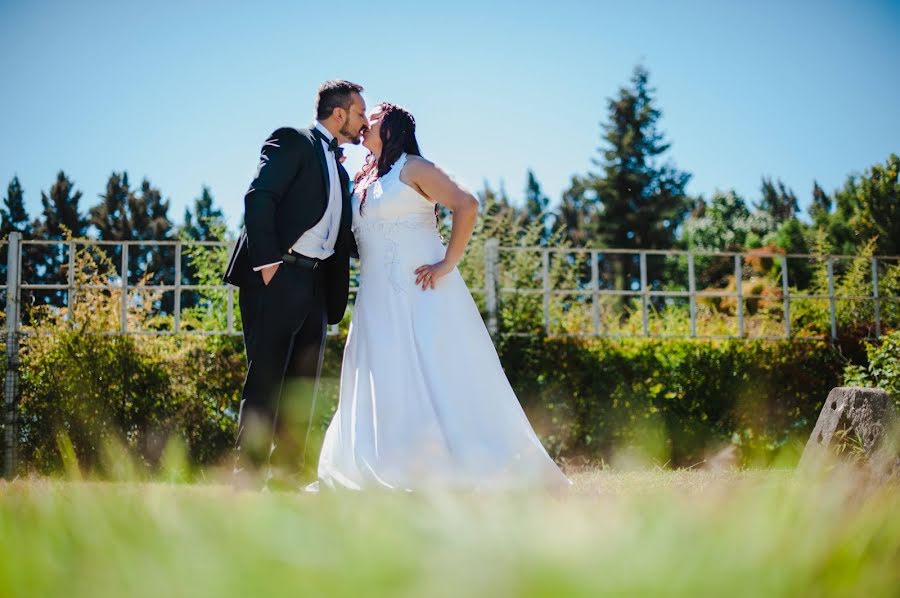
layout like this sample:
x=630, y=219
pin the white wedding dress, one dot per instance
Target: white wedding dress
x=424, y=401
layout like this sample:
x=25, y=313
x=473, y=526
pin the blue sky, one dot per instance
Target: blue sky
x=185, y=92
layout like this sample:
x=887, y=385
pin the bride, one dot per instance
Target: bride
x=424, y=401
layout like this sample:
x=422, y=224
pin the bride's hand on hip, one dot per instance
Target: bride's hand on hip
x=427, y=276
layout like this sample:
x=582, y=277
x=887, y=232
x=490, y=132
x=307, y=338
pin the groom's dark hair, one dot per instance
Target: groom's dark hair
x=336, y=93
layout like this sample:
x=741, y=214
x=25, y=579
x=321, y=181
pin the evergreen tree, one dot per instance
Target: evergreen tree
x=497, y=202
x=723, y=224
x=124, y=214
x=639, y=201
x=536, y=205
x=820, y=208
x=200, y=224
x=778, y=201
x=866, y=207
x=578, y=213
x=60, y=211
x=877, y=207
x=60, y=217
x=13, y=216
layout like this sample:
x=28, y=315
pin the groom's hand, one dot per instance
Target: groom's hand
x=268, y=272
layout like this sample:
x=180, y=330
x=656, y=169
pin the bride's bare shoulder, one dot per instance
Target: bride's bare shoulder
x=417, y=166
x=418, y=162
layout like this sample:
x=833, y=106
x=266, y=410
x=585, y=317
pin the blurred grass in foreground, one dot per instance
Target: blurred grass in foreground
x=650, y=532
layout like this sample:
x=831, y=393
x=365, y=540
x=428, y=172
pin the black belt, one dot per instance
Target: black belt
x=300, y=260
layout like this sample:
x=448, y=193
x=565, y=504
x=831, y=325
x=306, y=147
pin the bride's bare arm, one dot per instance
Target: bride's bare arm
x=438, y=187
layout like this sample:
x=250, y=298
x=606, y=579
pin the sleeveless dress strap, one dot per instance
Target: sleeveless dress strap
x=398, y=165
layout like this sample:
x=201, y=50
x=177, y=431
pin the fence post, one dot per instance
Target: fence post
x=11, y=390
x=875, y=297
x=491, y=251
x=230, y=296
x=124, y=315
x=786, y=294
x=595, y=293
x=545, y=278
x=70, y=301
x=692, y=294
x=831, y=307
x=739, y=294
x=645, y=316
x=177, y=303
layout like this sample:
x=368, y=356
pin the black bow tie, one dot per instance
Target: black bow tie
x=334, y=147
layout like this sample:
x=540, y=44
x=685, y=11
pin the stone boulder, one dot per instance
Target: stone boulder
x=865, y=417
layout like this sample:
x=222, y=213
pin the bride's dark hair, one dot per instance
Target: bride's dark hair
x=398, y=135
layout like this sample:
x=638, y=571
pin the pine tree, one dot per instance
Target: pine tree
x=877, y=213
x=578, y=213
x=536, y=205
x=127, y=215
x=60, y=217
x=778, y=201
x=820, y=208
x=198, y=225
x=496, y=202
x=13, y=216
x=60, y=211
x=639, y=200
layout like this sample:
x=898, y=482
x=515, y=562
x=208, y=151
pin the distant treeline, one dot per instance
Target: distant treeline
x=635, y=198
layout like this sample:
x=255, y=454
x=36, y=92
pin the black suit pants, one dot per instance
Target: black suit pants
x=284, y=335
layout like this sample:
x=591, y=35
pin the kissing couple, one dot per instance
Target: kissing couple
x=424, y=401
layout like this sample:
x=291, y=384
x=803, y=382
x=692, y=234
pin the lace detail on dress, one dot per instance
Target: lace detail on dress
x=396, y=223
x=387, y=231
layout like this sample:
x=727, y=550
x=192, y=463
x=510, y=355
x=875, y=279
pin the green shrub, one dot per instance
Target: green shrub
x=883, y=369
x=593, y=397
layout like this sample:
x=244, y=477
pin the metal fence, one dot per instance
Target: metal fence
x=590, y=284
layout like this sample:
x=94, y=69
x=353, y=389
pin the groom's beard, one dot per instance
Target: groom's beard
x=347, y=134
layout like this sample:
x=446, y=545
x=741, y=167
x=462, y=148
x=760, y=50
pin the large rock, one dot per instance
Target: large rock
x=867, y=418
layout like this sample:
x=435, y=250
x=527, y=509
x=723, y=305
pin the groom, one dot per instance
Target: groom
x=292, y=264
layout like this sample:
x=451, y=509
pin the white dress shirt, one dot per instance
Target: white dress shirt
x=318, y=242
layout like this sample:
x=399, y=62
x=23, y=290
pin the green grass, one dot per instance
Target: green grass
x=652, y=532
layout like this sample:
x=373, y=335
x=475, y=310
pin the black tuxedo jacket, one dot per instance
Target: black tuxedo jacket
x=288, y=197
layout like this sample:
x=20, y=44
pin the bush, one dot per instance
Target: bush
x=677, y=398
x=136, y=391
x=883, y=370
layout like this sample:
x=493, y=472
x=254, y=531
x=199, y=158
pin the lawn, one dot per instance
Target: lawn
x=650, y=532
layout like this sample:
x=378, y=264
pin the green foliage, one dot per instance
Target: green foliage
x=883, y=370
x=537, y=206
x=595, y=397
x=136, y=391
x=60, y=210
x=61, y=217
x=205, y=264
x=877, y=215
x=778, y=202
x=867, y=207
x=13, y=216
x=205, y=221
x=129, y=215
x=724, y=224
